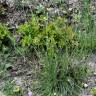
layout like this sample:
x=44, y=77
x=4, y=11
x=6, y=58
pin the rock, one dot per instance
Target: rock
x=85, y=85
x=72, y=1
x=94, y=73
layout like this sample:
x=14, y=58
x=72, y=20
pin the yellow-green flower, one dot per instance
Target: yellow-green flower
x=17, y=89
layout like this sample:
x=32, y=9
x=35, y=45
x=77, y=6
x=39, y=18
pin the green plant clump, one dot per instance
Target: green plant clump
x=93, y=91
x=53, y=34
x=4, y=33
x=59, y=77
x=2, y=10
x=10, y=89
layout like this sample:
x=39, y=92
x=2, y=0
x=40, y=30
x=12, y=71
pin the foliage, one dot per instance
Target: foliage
x=85, y=31
x=10, y=89
x=18, y=4
x=60, y=76
x=40, y=9
x=5, y=65
x=4, y=33
x=87, y=41
x=29, y=31
x=2, y=10
x=93, y=91
x=53, y=34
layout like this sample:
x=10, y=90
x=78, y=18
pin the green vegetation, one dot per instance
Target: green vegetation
x=58, y=47
x=12, y=90
x=54, y=34
x=93, y=91
x=2, y=10
x=60, y=76
x=4, y=35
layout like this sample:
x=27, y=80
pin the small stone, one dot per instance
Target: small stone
x=70, y=9
x=85, y=85
x=54, y=94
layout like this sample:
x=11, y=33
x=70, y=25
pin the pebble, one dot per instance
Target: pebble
x=94, y=73
x=85, y=85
